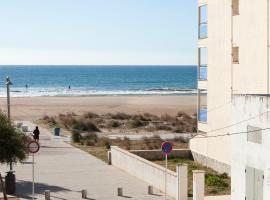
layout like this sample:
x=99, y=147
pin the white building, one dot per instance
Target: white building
x=233, y=58
x=250, y=169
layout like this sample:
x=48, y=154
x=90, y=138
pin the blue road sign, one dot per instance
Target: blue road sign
x=166, y=147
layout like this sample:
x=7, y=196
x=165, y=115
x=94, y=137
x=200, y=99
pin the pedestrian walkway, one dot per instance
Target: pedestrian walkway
x=65, y=171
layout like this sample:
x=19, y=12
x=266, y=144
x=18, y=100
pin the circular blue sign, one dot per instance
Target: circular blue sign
x=166, y=147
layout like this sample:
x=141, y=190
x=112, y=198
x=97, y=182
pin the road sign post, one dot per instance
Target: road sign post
x=33, y=147
x=166, y=148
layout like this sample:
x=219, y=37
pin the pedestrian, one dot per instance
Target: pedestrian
x=36, y=134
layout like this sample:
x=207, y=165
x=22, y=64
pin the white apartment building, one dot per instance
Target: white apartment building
x=233, y=58
x=234, y=94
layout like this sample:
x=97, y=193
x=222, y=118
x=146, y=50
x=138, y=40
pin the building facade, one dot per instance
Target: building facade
x=233, y=58
x=250, y=168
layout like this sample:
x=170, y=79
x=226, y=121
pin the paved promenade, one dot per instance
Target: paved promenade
x=65, y=171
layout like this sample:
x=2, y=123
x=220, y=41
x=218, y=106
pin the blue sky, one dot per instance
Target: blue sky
x=98, y=31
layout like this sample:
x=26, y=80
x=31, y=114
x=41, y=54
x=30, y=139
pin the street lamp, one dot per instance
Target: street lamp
x=10, y=178
x=8, y=84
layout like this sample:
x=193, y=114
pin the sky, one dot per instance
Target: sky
x=98, y=32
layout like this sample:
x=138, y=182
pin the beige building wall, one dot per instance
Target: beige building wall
x=249, y=32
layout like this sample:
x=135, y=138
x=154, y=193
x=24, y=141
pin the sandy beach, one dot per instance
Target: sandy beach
x=33, y=108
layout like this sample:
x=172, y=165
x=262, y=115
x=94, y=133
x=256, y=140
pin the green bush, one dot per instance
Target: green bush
x=13, y=143
x=76, y=136
x=217, y=181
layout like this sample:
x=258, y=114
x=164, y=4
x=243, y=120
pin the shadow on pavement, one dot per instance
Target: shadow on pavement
x=24, y=188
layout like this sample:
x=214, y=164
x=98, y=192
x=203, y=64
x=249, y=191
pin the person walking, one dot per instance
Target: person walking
x=36, y=134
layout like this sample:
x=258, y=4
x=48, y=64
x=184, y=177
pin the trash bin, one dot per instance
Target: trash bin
x=10, y=182
x=57, y=131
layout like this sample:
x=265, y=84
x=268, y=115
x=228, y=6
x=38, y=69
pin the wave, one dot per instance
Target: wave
x=39, y=92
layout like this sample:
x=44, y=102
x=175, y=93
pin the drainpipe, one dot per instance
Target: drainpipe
x=267, y=2
x=268, y=61
x=231, y=51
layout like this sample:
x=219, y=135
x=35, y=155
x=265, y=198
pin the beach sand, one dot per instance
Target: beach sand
x=33, y=108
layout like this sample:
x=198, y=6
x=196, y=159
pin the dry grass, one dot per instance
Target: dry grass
x=92, y=122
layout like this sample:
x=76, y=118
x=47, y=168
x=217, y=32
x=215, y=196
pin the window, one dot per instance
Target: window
x=203, y=22
x=254, y=134
x=235, y=55
x=202, y=112
x=202, y=71
x=235, y=7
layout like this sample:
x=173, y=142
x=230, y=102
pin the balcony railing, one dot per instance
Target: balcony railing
x=203, y=30
x=203, y=115
x=202, y=73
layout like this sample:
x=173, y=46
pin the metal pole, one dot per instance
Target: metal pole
x=8, y=102
x=166, y=161
x=33, y=176
x=8, y=83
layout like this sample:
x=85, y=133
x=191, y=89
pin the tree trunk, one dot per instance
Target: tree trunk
x=3, y=187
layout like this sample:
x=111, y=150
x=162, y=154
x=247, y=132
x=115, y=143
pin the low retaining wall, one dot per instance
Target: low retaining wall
x=144, y=170
x=159, y=155
x=211, y=163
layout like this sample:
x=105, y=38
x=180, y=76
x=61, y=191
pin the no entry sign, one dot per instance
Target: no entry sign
x=33, y=147
x=166, y=147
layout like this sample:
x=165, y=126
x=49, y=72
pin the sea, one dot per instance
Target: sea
x=72, y=80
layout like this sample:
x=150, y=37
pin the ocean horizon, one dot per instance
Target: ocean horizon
x=99, y=80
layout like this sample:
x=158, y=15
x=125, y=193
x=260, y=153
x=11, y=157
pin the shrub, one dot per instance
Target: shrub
x=49, y=120
x=153, y=142
x=183, y=116
x=126, y=143
x=91, y=115
x=90, y=139
x=113, y=124
x=151, y=117
x=217, y=181
x=13, y=143
x=105, y=142
x=164, y=127
x=135, y=123
x=121, y=116
x=76, y=136
x=85, y=125
x=168, y=118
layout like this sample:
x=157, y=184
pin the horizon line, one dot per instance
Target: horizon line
x=7, y=65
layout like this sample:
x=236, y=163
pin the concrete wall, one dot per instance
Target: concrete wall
x=159, y=155
x=144, y=170
x=250, y=110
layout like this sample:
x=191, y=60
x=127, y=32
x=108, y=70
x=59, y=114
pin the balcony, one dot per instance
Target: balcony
x=203, y=115
x=202, y=65
x=203, y=26
x=203, y=30
x=202, y=109
x=203, y=73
